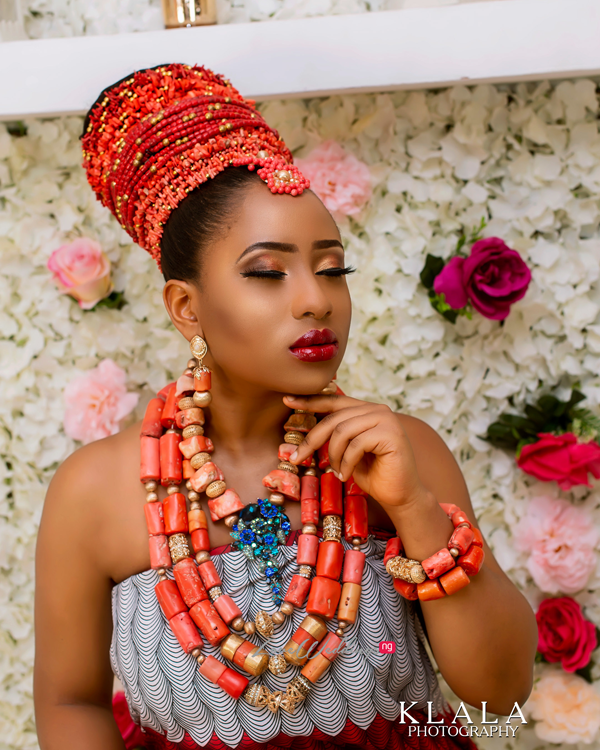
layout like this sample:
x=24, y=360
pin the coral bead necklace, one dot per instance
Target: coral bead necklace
x=174, y=449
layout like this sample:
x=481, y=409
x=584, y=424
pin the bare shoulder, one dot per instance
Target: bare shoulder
x=96, y=493
x=439, y=471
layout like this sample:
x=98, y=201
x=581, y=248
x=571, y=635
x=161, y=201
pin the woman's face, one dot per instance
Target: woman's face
x=272, y=304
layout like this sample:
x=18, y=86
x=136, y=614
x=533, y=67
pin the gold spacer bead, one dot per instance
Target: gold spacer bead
x=249, y=628
x=309, y=528
x=199, y=459
x=310, y=472
x=278, y=618
x=196, y=652
x=287, y=608
x=231, y=521
x=151, y=486
x=293, y=438
x=202, y=556
x=151, y=497
x=172, y=489
x=277, y=498
x=191, y=363
x=454, y=552
x=339, y=632
x=194, y=497
x=191, y=431
x=287, y=466
x=202, y=398
x=201, y=659
x=186, y=403
x=238, y=624
x=216, y=488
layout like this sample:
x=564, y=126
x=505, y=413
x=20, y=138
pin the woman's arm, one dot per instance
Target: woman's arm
x=483, y=637
x=73, y=679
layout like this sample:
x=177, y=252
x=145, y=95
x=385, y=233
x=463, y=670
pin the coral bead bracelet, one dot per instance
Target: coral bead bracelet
x=446, y=571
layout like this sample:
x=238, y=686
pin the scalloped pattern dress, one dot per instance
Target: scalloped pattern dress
x=355, y=704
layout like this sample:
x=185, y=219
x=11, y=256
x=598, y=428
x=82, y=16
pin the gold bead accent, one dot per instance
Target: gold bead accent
x=342, y=624
x=305, y=571
x=277, y=498
x=278, y=664
x=273, y=700
x=191, y=431
x=215, y=592
x=339, y=632
x=310, y=472
x=163, y=577
x=191, y=363
x=202, y=556
x=309, y=528
x=332, y=528
x=186, y=403
x=238, y=623
x=454, y=552
x=172, y=489
x=407, y=569
x=263, y=154
x=194, y=497
x=161, y=572
x=278, y=618
x=216, y=488
x=230, y=644
x=151, y=486
x=249, y=628
x=231, y=521
x=196, y=652
x=256, y=695
x=328, y=470
x=264, y=623
x=315, y=626
x=178, y=547
x=201, y=659
x=330, y=389
x=287, y=466
x=151, y=497
x=287, y=608
x=293, y=438
x=199, y=459
x=202, y=398
x=198, y=347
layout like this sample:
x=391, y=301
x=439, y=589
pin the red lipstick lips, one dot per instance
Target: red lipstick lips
x=315, y=346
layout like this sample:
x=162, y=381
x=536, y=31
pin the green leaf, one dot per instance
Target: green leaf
x=548, y=406
x=586, y=672
x=438, y=302
x=501, y=435
x=521, y=443
x=114, y=301
x=433, y=266
x=519, y=423
x=535, y=416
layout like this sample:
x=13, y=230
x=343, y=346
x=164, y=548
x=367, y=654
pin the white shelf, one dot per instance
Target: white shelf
x=506, y=40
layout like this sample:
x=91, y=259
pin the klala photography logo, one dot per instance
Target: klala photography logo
x=431, y=729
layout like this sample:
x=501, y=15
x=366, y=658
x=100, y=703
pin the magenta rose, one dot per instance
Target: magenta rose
x=491, y=278
x=564, y=635
x=561, y=459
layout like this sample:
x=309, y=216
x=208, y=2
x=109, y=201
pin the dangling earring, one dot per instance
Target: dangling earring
x=202, y=395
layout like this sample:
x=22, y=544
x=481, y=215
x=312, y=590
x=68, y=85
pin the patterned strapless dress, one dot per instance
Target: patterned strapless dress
x=355, y=704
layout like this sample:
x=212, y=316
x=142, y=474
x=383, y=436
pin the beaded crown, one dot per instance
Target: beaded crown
x=155, y=136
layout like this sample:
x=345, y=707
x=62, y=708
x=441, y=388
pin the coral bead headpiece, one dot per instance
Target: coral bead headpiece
x=155, y=136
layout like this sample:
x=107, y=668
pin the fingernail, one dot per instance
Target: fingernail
x=294, y=456
x=291, y=398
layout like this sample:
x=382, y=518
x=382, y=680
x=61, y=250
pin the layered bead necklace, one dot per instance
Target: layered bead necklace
x=174, y=449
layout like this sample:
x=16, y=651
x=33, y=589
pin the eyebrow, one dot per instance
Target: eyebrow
x=287, y=247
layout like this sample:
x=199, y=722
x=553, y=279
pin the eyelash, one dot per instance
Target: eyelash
x=281, y=274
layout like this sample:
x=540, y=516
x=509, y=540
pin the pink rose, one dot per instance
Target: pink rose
x=561, y=459
x=82, y=270
x=341, y=181
x=96, y=401
x=492, y=278
x=565, y=707
x=564, y=634
x=130, y=732
x=561, y=539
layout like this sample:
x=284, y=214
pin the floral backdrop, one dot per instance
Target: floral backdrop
x=525, y=158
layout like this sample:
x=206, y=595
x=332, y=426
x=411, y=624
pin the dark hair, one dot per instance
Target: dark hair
x=198, y=219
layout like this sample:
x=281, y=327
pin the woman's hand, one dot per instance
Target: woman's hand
x=366, y=441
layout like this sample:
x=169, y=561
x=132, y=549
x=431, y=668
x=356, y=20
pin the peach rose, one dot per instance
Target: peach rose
x=341, y=181
x=565, y=707
x=96, y=401
x=561, y=539
x=82, y=270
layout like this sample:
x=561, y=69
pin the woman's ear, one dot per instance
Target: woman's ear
x=181, y=301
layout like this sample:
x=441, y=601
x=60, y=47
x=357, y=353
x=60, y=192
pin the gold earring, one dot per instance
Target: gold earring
x=198, y=347
x=202, y=396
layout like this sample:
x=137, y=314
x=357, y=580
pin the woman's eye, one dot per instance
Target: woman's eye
x=336, y=271
x=264, y=274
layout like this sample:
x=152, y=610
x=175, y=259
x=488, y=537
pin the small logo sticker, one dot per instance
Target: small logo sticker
x=387, y=647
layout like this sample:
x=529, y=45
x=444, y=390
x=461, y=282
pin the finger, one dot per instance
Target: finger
x=321, y=404
x=360, y=445
x=344, y=433
x=321, y=433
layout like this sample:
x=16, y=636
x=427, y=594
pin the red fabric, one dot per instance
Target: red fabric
x=381, y=735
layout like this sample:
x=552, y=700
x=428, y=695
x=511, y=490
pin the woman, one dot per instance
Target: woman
x=255, y=280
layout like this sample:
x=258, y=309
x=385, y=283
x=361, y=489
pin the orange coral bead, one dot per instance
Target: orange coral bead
x=160, y=557
x=167, y=418
x=349, y=601
x=169, y=598
x=308, y=548
x=175, y=513
x=351, y=488
x=209, y=574
x=186, y=632
x=233, y=683
x=324, y=597
x=154, y=518
x=330, y=559
x=309, y=499
x=430, y=590
x=149, y=459
x=392, y=549
x=354, y=564
x=472, y=560
x=170, y=459
x=297, y=590
x=197, y=519
x=227, y=608
x=406, y=589
x=331, y=495
x=212, y=668
x=454, y=580
x=477, y=538
x=200, y=540
x=209, y=621
x=355, y=517
x=202, y=383
x=151, y=426
x=315, y=667
x=461, y=539
x=190, y=586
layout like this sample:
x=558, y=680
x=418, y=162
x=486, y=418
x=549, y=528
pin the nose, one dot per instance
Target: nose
x=310, y=298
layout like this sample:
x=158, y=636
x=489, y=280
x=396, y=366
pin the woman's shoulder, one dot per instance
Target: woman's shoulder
x=96, y=494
